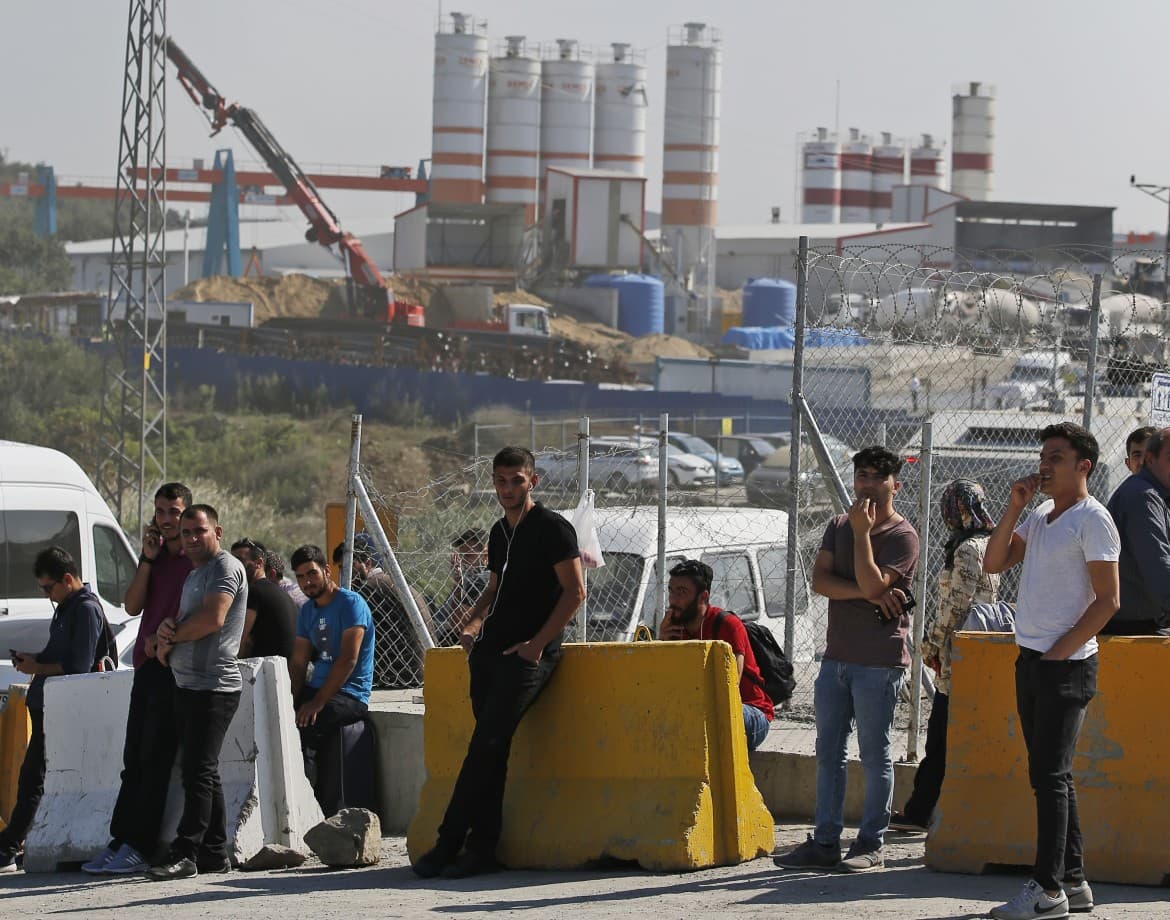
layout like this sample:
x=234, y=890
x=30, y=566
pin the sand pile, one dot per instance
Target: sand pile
x=290, y=295
x=645, y=349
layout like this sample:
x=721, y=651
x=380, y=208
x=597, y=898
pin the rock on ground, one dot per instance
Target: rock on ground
x=352, y=837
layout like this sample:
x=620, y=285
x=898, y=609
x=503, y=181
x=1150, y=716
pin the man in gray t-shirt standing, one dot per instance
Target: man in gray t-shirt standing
x=200, y=648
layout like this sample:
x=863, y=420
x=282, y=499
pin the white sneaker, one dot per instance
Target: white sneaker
x=97, y=865
x=1080, y=898
x=1032, y=902
x=127, y=861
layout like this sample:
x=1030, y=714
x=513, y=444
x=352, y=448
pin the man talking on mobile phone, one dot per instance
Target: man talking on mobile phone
x=151, y=742
x=865, y=565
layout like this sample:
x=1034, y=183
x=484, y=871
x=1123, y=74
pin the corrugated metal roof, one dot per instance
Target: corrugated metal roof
x=260, y=234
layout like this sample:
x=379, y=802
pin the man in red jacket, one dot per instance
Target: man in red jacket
x=690, y=616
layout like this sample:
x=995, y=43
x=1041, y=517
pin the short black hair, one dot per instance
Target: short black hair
x=256, y=551
x=472, y=537
x=512, y=457
x=1083, y=443
x=175, y=491
x=880, y=459
x=1141, y=436
x=698, y=572
x=191, y=510
x=54, y=562
x=308, y=553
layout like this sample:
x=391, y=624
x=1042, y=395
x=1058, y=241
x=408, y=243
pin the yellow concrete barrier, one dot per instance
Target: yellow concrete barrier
x=15, y=729
x=987, y=816
x=635, y=751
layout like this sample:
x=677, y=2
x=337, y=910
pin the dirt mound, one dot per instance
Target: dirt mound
x=290, y=295
x=615, y=345
x=645, y=349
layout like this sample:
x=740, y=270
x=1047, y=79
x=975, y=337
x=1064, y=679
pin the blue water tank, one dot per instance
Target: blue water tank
x=769, y=302
x=640, y=301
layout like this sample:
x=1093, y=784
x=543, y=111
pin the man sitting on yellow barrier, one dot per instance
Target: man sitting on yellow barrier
x=689, y=616
x=513, y=640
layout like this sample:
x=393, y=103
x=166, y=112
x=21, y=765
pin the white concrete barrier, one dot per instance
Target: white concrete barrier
x=267, y=796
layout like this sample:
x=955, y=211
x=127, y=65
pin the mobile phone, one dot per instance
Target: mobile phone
x=13, y=654
x=908, y=604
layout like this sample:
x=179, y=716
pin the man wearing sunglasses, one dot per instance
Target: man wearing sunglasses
x=77, y=627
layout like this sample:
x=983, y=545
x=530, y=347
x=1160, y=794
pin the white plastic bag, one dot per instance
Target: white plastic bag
x=585, y=523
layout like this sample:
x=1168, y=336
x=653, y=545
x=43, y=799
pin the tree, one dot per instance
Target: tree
x=28, y=265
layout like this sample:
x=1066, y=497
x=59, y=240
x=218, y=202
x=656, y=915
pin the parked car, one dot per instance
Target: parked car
x=749, y=449
x=625, y=466
x=727, y=466
x=683, y=470
x=767, y=485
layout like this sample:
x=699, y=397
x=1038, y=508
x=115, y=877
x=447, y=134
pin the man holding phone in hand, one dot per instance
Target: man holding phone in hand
x=865, y=565
x=151, y=742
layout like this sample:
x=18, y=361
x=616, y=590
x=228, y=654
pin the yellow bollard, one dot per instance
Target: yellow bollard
x=15, y=729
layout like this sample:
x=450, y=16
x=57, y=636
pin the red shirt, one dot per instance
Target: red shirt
x=167, y=574
x=732, y=631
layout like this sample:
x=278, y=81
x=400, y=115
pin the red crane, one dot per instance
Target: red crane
x=369, y=295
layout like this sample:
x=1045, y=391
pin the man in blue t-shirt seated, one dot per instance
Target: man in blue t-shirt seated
x=336, y=632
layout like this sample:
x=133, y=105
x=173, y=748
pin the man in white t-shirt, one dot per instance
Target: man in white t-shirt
x=1068, y=591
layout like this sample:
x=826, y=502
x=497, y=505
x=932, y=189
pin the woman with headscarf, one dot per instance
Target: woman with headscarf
x=961, y=583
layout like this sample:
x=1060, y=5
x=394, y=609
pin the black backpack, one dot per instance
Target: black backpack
x=775, y=668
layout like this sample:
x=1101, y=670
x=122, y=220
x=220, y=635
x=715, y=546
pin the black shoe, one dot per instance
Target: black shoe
x=811, y=855
x=214, y=867
x=900, y=821
x=433, y=861
x=8, y=862
x=172, y=868
x=471, y=863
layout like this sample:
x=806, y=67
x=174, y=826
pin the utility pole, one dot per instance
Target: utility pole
x=133, y=456
x=1161, y=193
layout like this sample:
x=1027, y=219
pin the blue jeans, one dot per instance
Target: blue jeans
x=842, y=694
x=755, y=726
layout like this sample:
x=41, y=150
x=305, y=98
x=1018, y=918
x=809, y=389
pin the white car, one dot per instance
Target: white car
x=683, y=470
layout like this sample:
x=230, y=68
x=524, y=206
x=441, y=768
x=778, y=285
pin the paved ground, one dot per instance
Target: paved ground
x=905, y=890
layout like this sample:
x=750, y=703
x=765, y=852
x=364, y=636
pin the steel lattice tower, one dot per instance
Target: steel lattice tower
x=133, y=456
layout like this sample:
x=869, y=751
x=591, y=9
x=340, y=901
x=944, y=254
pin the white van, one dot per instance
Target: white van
x=745, y=547
x=46, y=499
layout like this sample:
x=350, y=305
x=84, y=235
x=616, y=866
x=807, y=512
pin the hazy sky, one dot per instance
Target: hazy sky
x=1081, y=86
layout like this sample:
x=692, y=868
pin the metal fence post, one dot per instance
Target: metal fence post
x=793, y=564
x=924, y=518
x=1091, y=364
x=355, y=451
x=532, y=433
x=475, y=441
x=583, y=487
x=663, y=479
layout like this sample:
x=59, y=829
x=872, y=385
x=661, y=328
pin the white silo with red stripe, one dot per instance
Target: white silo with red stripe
x=926, y=164
x=888, y=169
x=856, y=178
x=690, y=150
x=619, y=112
x=972, y=141
x=513, y=128
x=460, y=94
x=566, y=108
x=821, y=179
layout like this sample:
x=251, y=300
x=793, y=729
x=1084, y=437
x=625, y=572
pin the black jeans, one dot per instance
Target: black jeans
x=147, y=758
x=1051, y=697
x=323, y=738
x=203, y=718
x=928, y=778
x=30, y=787
x=502, y=689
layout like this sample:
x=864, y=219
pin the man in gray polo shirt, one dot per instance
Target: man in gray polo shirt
x=200, y=648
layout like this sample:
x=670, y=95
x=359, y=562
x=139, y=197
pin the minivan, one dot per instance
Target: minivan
x=745, y=547
x=46, y=499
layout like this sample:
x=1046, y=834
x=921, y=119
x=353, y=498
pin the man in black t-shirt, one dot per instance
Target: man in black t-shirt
x=513, y=641
x=270, y=623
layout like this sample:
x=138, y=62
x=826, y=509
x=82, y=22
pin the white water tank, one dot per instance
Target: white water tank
x=513, y=128
x=856, y=173
x=972, y=141
x=619, y=112
x=821, y=179
x=460, y=94
x=566, y=108
x=926, y=164
x=889, y=167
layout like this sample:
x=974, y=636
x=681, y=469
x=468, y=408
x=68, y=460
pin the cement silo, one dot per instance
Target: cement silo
x=889, y=167
x=821, y=179
x=972, y=141
x=460, y=93
x=513, y=128
x=566, y=108
x=619, y=112
x=690, y=150
x=926, y=164
x=856, y=176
